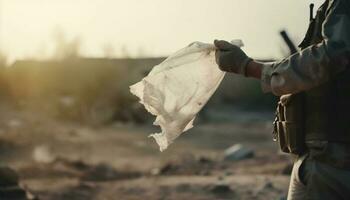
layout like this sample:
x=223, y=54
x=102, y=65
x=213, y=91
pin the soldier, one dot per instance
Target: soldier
x=312, y=118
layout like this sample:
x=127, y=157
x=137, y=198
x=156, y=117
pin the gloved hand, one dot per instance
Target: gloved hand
x=231, y=58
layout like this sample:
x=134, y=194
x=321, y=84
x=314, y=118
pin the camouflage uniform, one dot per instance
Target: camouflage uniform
x=320, y=73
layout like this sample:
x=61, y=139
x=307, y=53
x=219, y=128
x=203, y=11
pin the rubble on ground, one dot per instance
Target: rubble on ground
x=238, y=152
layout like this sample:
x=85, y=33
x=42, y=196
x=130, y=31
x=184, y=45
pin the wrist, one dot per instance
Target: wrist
x=254, y=69
x=243, y=70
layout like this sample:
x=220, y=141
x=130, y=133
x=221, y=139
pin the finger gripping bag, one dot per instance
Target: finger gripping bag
x=178, y=88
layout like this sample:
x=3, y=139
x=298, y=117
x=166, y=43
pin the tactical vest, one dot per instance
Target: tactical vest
x=321, y=113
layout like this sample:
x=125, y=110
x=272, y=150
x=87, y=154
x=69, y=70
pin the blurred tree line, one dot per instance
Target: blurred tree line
x=4, y=92
x=96, y=90
x=69, y=86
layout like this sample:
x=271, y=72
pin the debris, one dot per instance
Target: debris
x=62, y=167
x=43, y=154
x=67, y=101
x=75, y=164
x=8, y=177
x=268, y=185
x=15, y=123
x=82, y=191
x=186, y=166
x=155, y=171
x=9, y=186
x=103, y=172
x=228, y=173
x=221, y=189
x=238, y=152
x=31, y=196
x=183, y=188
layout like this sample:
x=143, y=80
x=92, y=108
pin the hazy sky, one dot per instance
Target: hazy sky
x=148, y=27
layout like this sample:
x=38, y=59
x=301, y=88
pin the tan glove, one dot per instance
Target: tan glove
x=231, y=58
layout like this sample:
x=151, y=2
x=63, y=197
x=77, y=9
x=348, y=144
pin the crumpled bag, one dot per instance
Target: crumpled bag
x=178, y=88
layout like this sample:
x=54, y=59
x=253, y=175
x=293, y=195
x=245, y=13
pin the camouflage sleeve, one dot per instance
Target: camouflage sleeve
x=317, y=63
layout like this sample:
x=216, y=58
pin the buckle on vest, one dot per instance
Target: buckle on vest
x=275, y=131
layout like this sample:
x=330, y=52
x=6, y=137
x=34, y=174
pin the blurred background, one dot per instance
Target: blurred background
x=71, y=129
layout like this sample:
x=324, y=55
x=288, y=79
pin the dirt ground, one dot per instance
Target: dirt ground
x=69, y=161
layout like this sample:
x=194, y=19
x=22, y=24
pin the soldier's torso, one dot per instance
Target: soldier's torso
x=321, y=113
x=327, y=107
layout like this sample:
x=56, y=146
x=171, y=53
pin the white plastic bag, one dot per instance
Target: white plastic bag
x=177, y=89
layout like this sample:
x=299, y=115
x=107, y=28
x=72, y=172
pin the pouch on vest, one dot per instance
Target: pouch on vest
x=289, y=124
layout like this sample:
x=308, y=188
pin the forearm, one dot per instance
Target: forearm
x=302, y=71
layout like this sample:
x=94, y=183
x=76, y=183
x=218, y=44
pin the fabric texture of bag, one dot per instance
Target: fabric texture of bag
x=178, y=88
